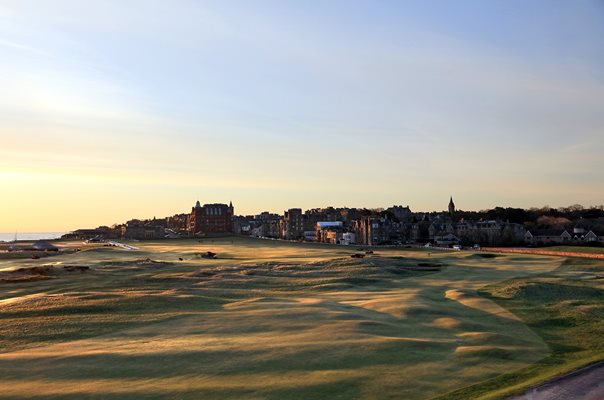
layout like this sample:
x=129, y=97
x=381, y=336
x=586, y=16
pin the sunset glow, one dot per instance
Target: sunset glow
x=141, y=109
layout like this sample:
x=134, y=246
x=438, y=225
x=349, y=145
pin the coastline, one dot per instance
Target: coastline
x=7, y=237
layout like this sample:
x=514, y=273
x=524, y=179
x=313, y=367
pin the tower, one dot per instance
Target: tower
x=195, y=218
x=451, y=206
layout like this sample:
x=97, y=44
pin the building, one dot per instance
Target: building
x=348, y=238
x=440, y=227
x=561, y=236
x=490, y=232
x=211, y=219
x=143, y=230
x=329, y=231
x=271, y=228
x=292, y=224
x=420, y=231
x=446, y=240
x=451, y=206
x=581, y=235
x=401, y=213
x=103, y=232
x=548, y=236
x=269, y=223
x=178, y=223
x=310, y=236
x=373, y=231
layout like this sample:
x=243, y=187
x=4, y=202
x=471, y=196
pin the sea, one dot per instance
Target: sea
x=10, y=236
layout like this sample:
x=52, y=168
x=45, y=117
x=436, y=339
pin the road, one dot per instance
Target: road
x=584, y=384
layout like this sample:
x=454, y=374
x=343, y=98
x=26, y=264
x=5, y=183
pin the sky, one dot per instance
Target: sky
x=112, y=110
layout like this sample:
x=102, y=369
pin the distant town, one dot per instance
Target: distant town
x=396, y=225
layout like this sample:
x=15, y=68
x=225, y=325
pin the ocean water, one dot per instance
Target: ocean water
x=9, y=237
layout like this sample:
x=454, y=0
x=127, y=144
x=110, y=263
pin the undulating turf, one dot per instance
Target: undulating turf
x=577, y=249
x=565, y=307
x=276, y=320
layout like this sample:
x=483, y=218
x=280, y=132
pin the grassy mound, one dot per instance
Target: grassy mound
x=483, y=256
x=546, y=291
x=565, y=308
x=276, y=320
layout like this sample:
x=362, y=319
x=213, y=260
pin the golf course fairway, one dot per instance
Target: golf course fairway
x=278, y=320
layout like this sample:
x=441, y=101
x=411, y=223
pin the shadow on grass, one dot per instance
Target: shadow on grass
x=343, y=389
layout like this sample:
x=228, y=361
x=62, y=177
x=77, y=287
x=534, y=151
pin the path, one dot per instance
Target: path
x=584, y=384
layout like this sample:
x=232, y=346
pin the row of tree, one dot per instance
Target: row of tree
x=543, y=217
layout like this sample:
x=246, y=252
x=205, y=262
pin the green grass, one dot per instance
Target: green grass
x=276, y=320
x=566, y=309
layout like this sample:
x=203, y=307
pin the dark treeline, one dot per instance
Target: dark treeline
x=543, y=217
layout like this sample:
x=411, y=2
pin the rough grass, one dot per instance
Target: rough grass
x=566, y=309
x=273, y=320
x=577, y=249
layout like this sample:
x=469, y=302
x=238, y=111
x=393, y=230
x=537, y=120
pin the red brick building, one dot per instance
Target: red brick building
x=211, y=219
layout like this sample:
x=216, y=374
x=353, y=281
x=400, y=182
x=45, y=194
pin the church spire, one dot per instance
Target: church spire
x=451, y=206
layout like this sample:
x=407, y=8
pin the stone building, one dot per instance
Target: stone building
x=329, y=231
x=143, y=230
x=271, y=228
x=440, y=227
x=243, y=224
x=579, y=236
x=420, y=231
x=373, y=230
x=491, y=232
x=292, y=224
x=401, y=213
x=451, y=207
x=178, y=223
x=211, y=219
x=269, y=223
